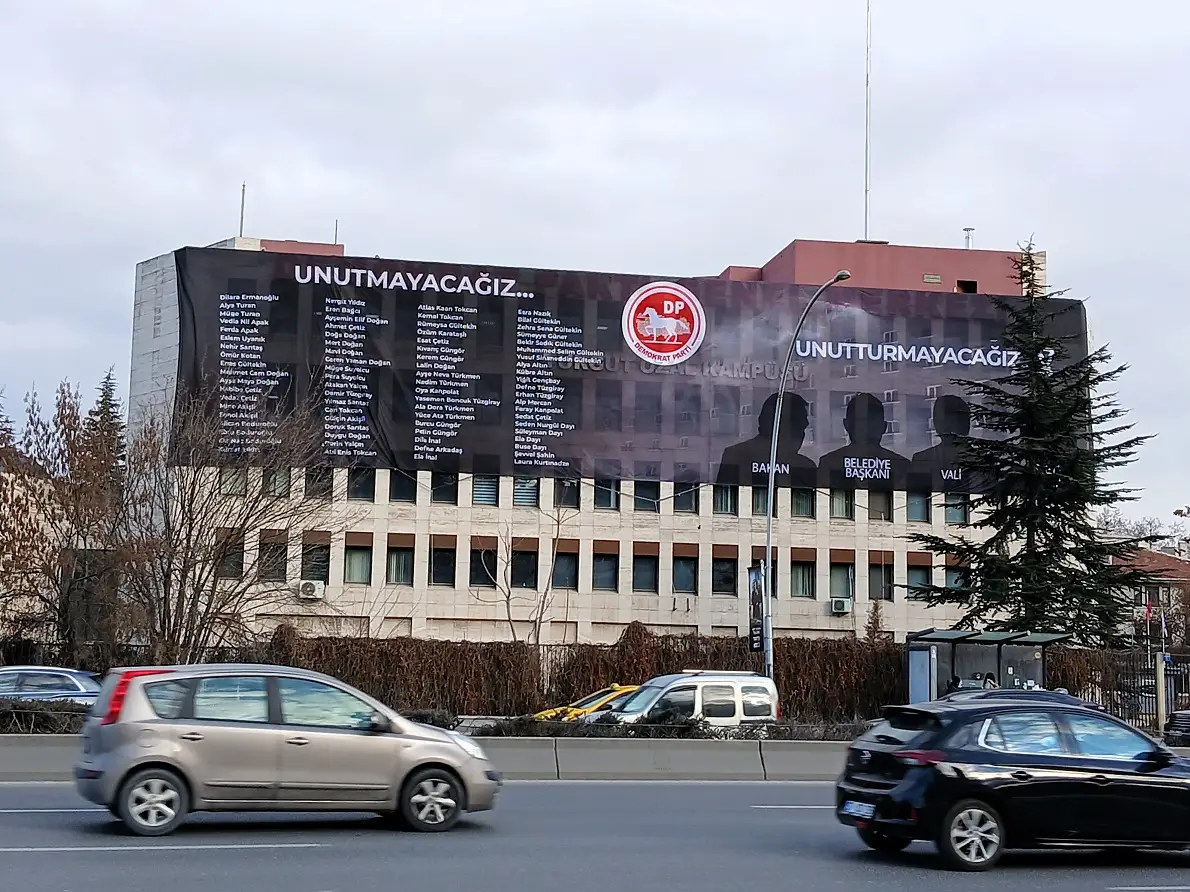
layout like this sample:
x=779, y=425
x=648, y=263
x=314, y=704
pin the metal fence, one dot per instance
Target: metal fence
x=1125, y=684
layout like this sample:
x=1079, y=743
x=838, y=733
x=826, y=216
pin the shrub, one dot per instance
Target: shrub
x=30, y=717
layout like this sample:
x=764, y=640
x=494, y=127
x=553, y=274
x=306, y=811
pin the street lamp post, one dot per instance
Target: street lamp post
x=766, y=610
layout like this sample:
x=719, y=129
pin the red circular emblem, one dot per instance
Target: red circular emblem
x=663, y=323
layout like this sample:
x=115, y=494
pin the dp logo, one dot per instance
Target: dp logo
x=663, y=323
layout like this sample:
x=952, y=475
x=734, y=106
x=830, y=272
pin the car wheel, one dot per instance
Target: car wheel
x=881, y=842
x=971, y=836
x=431, y=801
x=153, y=802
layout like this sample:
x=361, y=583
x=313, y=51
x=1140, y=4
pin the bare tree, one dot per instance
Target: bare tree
x=206, y=534
x=1155, y=529
x=509, y=584
x=60, y=491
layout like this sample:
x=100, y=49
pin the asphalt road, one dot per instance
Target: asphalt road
x=581, y=837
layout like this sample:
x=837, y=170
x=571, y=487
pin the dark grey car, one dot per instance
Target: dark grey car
x=44, y=684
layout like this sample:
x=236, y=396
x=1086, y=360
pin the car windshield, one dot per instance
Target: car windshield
x=590, y=699
x=638, y=700
x=901, y=727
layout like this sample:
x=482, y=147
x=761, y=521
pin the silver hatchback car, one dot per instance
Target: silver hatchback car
x=162, y=742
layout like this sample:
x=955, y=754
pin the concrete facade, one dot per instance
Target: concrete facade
x=711, y=538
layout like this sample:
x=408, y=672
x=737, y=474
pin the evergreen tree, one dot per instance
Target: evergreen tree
x=8, y=438
x=104, y=436
x=1057, y=434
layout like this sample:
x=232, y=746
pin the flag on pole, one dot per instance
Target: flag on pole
x=1148, y=610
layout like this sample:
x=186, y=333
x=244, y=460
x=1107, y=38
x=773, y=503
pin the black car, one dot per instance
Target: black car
x=1034, y=694
x=976, y=777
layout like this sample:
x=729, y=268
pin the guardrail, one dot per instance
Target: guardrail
x=50, y=757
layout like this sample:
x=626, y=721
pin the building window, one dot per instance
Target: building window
x=442, y=566
x=402, y=486
x=842, y=580
x=917, y=507
x=357, y=564
x=320, y=483
x=686, y=498
x=316, y=563
x=275, y=482
x=523, y=571
x=803, y=579
x=444, y=488
x=880, y=582
x=272, y=562
x=233, y=481
x=686, y=575
x=880, y=505
x=566, y=571
x=725, y=499
x=918, y=581
x=646, y=496
x=804, y=503
x=483, y=567
x=842, y=504
x=760, y=504
x=605, y=573
x=566, y=492
x=361, y=484
x=725, y=576
x=400, y=566
x=526, y=493
x=958, y=509
x=607, y=493
x=485, y=489
x=645, y=570
x=231, y=557
x=956, y=577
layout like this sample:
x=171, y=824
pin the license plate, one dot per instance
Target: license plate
x=858, y=809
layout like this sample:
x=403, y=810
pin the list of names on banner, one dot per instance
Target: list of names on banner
x=245, y=379
x=442, y=393
x=346, y=386
x=541, y=340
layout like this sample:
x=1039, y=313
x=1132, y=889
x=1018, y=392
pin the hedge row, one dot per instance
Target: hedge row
x=822, y=681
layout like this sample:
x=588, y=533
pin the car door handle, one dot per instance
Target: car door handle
x=1099, y=779
x=297, y=741
x=191, y=735
x=1022, y=775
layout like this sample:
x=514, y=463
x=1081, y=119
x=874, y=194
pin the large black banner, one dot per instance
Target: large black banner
x=543, y=372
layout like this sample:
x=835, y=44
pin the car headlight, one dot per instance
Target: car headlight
x=468, y=745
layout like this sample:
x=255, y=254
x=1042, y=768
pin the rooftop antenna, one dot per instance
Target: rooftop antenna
x=868, y=121
x=968, y=238
x=243, y=197
x=336, y=241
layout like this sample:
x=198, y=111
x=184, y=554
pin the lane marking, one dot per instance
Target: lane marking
x=1148, y=888
x=49, y=811
x=14, y=850
x=662, y=782
x=793, y=806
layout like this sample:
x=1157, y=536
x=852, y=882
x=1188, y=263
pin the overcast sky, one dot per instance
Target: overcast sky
x=664, y=136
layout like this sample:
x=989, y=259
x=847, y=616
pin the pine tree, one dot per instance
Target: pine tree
x=1057, y=434
x=104, y=436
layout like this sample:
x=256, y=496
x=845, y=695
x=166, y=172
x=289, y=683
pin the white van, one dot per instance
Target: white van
x=722, y=699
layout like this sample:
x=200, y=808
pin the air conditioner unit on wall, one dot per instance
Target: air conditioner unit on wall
x=840, y=606
x=308, y=590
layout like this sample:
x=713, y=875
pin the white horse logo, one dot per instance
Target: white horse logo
x=654, y=326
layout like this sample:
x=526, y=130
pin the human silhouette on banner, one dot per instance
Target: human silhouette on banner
x=748, y=462
x=863, y=463
x=940, y=467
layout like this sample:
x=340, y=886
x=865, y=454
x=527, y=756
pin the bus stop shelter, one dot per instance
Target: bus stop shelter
x=1015, y=659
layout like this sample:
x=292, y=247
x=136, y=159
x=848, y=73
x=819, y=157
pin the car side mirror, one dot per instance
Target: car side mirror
x=1159, y=756
x=379, y=723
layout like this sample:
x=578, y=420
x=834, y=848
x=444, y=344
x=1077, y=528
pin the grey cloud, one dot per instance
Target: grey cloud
x=672, y=137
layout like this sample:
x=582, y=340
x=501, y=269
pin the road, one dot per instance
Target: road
x=581, y=837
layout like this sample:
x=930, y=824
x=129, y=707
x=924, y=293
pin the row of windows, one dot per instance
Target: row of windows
x=524, y=570
x=526, y=493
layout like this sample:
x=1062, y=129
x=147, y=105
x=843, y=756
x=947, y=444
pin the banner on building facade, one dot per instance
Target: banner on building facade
x=530, y=372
